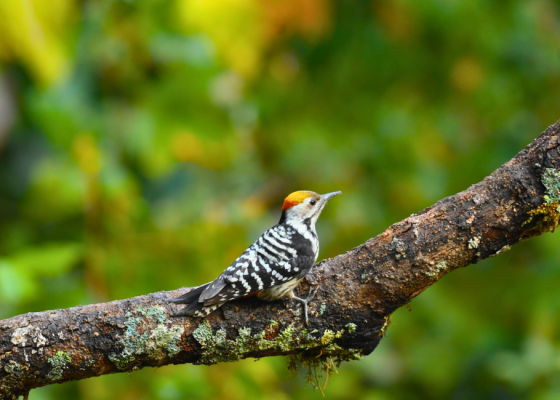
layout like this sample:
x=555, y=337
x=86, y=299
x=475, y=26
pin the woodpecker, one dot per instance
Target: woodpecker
x=271, y=267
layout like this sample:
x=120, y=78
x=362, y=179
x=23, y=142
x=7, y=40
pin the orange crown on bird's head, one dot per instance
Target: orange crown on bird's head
x=295, y=198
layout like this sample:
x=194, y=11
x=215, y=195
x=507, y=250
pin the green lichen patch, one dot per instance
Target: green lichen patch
x=551, y=181
x=168, y=338
x=329, y=336
x=58, y=362
x=440, y=266
x=351, y=327
x=383, y=331
x=13, y=368
x=146, y=333
x=547, y=215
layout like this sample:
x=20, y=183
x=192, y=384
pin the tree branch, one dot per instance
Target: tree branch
x=357, y=291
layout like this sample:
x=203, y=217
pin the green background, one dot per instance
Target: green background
x=145, y=144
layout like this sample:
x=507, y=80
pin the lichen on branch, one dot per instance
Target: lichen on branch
x=146, y=333
x=547, y=214
x=218, y=348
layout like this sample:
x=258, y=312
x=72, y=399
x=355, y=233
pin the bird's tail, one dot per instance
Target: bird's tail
x=197, y=309
x=190, y=296
x=194, y=308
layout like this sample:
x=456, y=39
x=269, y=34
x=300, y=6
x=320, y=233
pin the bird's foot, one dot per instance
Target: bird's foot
x=312, y=293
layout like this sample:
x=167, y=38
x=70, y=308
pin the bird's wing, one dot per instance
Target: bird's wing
x=259, y=275
x=230, y=275
x=270, y=261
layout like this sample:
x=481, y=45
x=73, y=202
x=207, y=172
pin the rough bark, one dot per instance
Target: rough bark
x=358, y=291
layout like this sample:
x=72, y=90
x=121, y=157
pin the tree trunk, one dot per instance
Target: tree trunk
x=358, y=291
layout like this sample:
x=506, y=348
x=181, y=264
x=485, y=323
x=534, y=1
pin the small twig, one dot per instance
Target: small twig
x=327, y=378
x=332, y=362
x=318, y=384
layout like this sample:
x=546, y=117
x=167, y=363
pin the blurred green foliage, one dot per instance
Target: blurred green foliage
x=145, y=143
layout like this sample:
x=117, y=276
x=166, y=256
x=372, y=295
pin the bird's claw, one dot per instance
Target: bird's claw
x=312, y=293
x=310, y=296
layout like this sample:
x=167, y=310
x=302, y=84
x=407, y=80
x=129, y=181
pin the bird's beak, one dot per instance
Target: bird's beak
x=328, y=196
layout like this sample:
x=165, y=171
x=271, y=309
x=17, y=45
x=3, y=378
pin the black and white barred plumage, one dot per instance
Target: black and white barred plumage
x=272, y=266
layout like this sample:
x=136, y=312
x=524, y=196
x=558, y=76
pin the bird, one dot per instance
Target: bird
x=272, y=266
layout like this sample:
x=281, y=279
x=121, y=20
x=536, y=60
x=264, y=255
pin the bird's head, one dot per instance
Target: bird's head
x=304, y=206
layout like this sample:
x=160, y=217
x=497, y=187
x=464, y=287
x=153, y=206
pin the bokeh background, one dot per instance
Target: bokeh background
x=144, y=144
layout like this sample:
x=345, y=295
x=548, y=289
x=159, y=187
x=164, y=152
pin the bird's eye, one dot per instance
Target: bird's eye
x=312, y=202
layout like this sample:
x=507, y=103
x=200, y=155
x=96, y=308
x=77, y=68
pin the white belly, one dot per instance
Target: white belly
x=280, y=291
